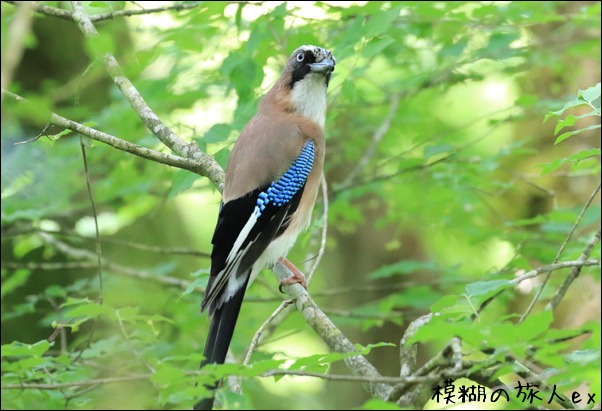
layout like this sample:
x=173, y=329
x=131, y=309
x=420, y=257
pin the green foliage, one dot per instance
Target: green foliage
x=440, y=203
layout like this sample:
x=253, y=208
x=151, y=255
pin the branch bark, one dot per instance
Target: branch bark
x=332, y=336
x=119, y=144
x=210, y=168
x=552, y=305
x=68, y=14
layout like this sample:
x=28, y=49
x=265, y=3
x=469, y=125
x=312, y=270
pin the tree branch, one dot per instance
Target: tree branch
x=131, y=244
x=79, y=253
x=257, y=338
x=559, y=253
x=57, y=386
x=207, y=164
x=322, y=249
x=43, y=9
x=68, y=14
x=376, y=138
x=129, y=13
x=552, y=305
x=332, y=336
x=123, y=145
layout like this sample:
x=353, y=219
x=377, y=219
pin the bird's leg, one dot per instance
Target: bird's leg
x=296, y=277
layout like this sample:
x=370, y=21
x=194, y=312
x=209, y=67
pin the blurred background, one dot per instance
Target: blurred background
x=441, y=173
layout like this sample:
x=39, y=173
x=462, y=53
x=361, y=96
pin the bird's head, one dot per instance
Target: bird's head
x=310, y=64
x=303, y=84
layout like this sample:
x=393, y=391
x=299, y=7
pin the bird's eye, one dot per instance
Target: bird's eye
x=300, y=57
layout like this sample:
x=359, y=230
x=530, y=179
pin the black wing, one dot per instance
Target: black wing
x=247, y=225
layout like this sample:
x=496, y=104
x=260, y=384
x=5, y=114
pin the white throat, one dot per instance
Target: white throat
x=309, y=98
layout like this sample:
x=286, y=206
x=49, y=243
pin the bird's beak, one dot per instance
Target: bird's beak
x=325, y=66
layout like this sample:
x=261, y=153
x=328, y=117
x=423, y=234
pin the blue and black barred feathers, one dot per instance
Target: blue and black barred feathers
x=282, y=191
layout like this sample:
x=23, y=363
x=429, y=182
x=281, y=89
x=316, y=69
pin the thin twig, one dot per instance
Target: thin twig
x=376, y=138
x=129, y=13
x=353, y=378
x=147, y=153
x=117, y=268
x=155, y=249
x=50, y=266
x=322, y=249
x=553, y=304
x=553, y=267
x=534, y=273
x=212, y=170
x=94, y=214
x=559, y=253
x=84, y=383
x=257, y=339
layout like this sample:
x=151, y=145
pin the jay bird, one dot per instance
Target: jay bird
x=272, y=181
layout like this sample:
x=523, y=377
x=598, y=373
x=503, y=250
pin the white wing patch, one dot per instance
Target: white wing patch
x=244, y=233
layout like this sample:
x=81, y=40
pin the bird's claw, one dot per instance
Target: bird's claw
x=296, y=277
x=293, y=279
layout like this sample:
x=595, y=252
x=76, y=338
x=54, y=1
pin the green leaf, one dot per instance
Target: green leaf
x=374, y=47
x=99, y=4
x=380, y=405
x=499, y=42
x=182, y=180
x=216, y=134
x=222, y=157
x=200, y=281
x=535, y=324
x=584, y=356
x=570, y=104
x=486, y=287
x=568, y=134
x=380, y=22
x=17, y=348
x=166, y=374
x=90, y=309
x=547, y=168
x=55, y=137
x=98, y=46
x=591, y=94
x=402, y=268
x=570, y=121
x=13, y=281
x=430, y=151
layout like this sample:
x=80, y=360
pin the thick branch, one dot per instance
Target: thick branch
x=68, y=15
x=47, y=10
x=332, y=336
x=211, y=169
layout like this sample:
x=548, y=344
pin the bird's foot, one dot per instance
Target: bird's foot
x=296, y=277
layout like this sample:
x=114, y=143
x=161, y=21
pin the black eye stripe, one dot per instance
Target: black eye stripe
x=302, y=67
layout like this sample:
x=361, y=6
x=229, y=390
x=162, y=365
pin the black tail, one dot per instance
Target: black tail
x=218, y=340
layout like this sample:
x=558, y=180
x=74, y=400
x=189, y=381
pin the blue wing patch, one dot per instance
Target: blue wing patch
x=281, y=191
